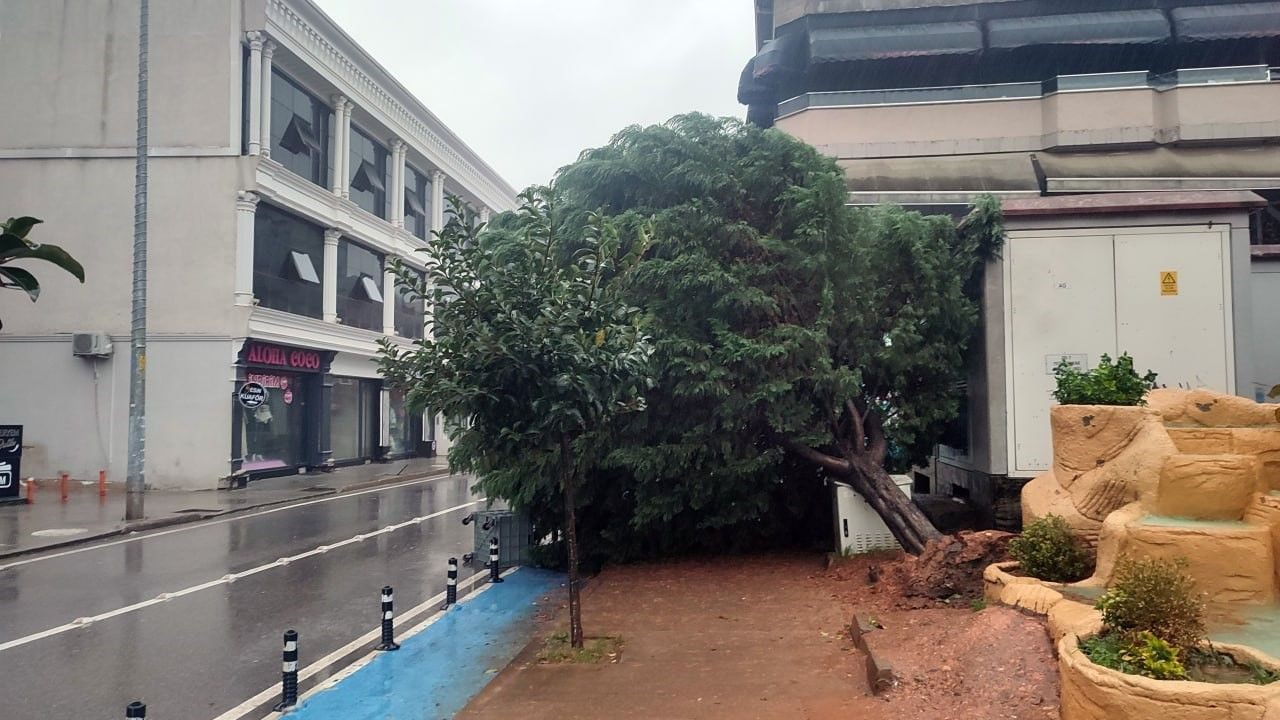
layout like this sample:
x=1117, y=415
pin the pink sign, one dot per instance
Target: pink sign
x=276, y=356
x=288, y=397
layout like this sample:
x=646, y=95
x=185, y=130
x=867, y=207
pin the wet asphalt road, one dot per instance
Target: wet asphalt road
x=217, y=643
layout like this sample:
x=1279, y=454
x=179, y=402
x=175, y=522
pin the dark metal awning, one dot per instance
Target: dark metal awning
x=1225, y=22
x=889, y=41
x=1120, y=27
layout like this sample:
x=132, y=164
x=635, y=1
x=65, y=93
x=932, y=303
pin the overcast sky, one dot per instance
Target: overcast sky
x=530, y=83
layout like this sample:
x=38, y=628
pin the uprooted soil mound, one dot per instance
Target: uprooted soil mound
x=952, y=565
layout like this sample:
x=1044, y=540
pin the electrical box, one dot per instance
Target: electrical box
x=91, y=345
x=1160, y=293
x=859, y=528
x=515, y=537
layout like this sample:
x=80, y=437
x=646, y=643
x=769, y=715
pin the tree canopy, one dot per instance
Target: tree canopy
x=794, y=336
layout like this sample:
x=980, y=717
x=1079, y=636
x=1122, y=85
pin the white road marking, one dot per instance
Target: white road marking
x=225, y=579
x=144, y=535
x=248, y=706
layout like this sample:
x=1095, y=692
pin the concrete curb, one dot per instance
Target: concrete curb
x=879, y=671
x=171, y=520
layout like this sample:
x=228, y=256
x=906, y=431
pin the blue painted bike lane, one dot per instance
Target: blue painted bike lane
x=437, y=671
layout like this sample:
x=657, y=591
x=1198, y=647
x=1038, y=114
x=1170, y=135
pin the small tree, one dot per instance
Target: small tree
x=530, y=351
x=14, y=245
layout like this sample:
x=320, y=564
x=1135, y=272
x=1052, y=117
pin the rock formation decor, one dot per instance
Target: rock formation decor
x=1194, y=474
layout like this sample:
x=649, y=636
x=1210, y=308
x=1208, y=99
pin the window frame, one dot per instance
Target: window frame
x=285, y=116
x=381, y=167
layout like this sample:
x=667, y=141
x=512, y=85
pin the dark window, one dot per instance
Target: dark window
x=369, y=180
x=417, y=202
x=409, y=311
x=288, y=253
x=359, y=286
x=299, y=130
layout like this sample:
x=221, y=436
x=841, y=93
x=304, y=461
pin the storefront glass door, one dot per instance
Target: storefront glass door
x=273, y=432
x=352, y=418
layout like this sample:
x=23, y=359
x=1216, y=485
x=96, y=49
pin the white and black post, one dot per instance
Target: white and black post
x=388, y=616
x=289, y=674
x=451, y=584
x=136, y=709
x=495, y=574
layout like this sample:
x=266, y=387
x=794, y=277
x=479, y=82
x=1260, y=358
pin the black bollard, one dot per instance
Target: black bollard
x=388, y=615
x=495, y=574
x=289, y=674
x=451, y=584
x=136, y=709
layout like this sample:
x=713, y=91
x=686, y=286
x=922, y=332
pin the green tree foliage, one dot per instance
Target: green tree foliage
x=1047, y=550
x=531, y=352
x=15, y=245
x=1111, y=383
x=794, y=337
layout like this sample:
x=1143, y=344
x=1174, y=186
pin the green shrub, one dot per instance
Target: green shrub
x=1145, y=654
x=1153, y=596
x=1108, y=384
x=1047, y=550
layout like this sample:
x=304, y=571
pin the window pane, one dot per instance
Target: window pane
x=369, y=180
x=417, y=203
x=359, y=270
x=409, y=312
x=287, y=250
x=299, y=129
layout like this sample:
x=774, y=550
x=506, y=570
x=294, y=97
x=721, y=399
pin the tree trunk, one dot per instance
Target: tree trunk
x=568, y=481
x=911, y=528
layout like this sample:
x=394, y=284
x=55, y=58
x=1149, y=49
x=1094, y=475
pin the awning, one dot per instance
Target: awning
x=889, y=41
x=753, y=91
x=1222, y=22
x=1120, y=27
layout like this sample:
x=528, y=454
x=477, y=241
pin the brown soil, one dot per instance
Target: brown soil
x=767, y=637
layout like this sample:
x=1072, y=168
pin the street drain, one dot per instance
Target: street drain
x=196, y=510
x=317, y=489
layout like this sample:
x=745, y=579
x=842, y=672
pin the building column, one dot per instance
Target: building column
x=384, y=419
x=264, y=137
x=484, y=215
x=329, y=279
x=437, y=201
x=255, y=92
x=246, y=207
x=388, y=298
x=398, y=152
x=341, y=128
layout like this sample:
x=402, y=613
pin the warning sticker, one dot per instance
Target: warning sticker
x=1169, y=282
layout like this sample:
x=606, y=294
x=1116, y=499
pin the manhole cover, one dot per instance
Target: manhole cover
x=60, y=532
x=196, y=510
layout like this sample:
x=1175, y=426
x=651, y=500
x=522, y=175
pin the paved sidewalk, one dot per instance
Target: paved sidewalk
x=727, y=638
x=48, y=522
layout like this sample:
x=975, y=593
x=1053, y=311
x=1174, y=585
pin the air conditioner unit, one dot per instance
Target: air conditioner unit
x=91, y=345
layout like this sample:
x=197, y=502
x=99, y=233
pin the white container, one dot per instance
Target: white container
x=858, y=528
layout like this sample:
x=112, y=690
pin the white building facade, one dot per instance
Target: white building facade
x=288, y=170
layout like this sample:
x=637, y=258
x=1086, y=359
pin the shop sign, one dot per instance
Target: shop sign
x=10, y=460
x=252, y=394
x=283, y=357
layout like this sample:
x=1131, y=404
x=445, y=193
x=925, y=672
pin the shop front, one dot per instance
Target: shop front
x=280, y=410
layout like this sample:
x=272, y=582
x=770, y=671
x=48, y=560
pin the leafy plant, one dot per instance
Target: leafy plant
x=558, y=649
x=1110, y=383
x=1155, y=596
x=1144, y=654
x=532, y=353
x=14, y=245
x=1048, y=550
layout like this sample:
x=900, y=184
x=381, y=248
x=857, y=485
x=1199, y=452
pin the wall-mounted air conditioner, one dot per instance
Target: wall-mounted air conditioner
x=91, y=345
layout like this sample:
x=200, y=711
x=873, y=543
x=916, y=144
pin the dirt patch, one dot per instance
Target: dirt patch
x=768, y=637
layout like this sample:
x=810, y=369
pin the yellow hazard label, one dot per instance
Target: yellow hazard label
x=1169, y=282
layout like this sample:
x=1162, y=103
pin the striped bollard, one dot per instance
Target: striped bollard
x=135, y=709
x=289, y=674
x=495, y=575
x=451, y=584
x=388, y=615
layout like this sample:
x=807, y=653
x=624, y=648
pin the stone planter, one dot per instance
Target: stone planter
x=1063, y=615
x=1093, y=692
